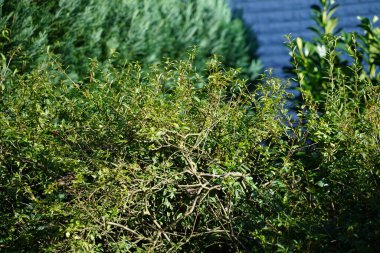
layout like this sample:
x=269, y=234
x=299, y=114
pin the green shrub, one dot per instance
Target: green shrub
x=128, y=152
x=166, y=159
x=311, y=62
x=24, y=34
x=126, y=31
x=345, y=151
x=370, y=45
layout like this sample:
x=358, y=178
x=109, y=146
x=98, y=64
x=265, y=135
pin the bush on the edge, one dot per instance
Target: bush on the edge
x=167, y=159
x=314, y=60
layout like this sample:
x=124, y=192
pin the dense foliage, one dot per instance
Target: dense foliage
x=310, y=59
x=124, y=31
x=168, y=158
x=123, y=163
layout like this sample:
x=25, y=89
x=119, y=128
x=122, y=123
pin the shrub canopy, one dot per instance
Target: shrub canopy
x=170, y=158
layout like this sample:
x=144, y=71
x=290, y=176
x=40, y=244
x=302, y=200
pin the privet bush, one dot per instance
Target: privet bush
x=167, y=159
x=126, y=31
x=156, y=168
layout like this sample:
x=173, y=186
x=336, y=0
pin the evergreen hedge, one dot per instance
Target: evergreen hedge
x=124, y=31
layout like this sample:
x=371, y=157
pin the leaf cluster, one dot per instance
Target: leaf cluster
x=332, y=50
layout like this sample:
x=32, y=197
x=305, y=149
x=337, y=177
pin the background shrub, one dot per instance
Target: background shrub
x=126, y=31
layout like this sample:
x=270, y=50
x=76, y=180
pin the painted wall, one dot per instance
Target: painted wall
x=272, y=19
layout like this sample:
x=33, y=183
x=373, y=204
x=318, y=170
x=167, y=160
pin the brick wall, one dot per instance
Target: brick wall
x=272, y=19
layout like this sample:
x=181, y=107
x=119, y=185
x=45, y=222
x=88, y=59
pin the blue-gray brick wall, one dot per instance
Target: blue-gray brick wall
x=270, y=20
